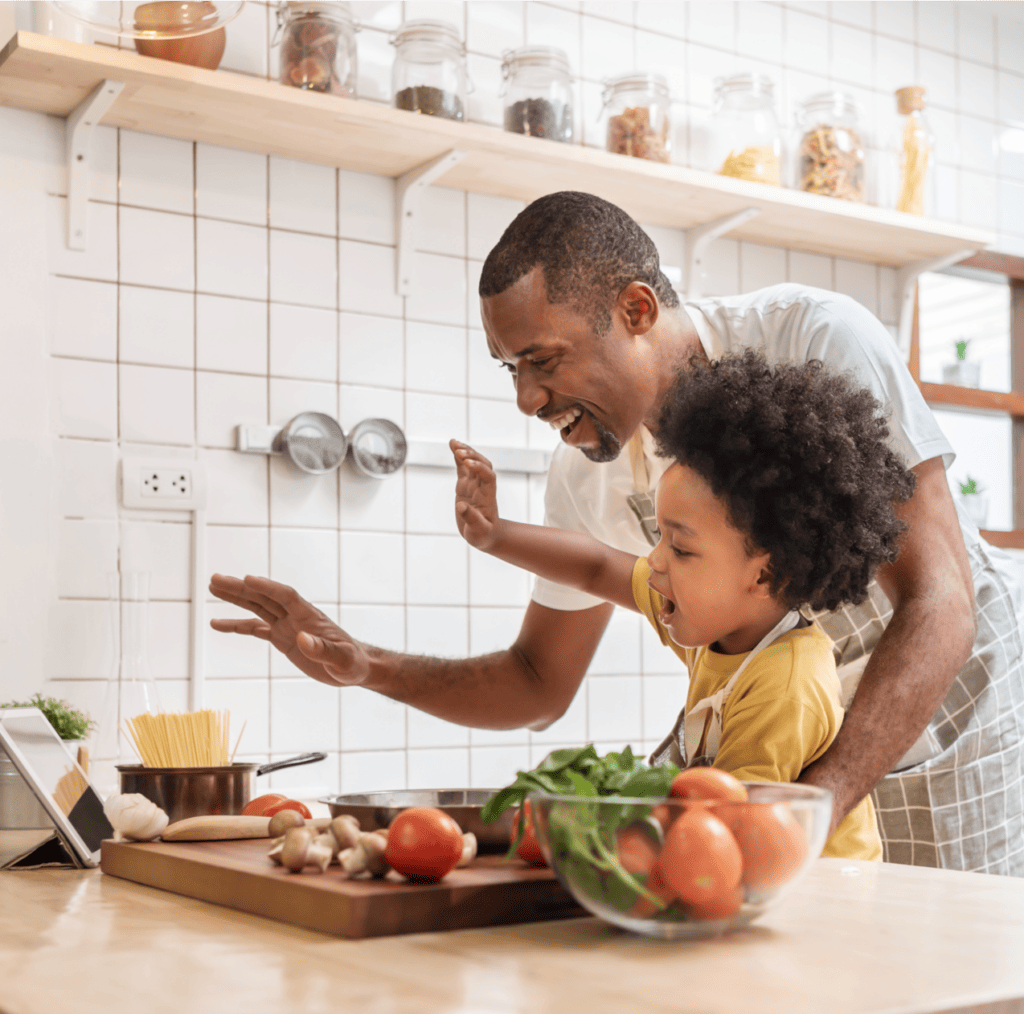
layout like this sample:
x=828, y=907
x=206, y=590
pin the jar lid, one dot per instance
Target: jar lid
x=427, y=30
x=338, y=10
x=909, y=99
x=837, y=103
x=757, y=84
x=534, y=56
x=636, y=81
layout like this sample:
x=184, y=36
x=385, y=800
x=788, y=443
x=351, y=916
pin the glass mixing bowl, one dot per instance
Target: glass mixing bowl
x=678, y=869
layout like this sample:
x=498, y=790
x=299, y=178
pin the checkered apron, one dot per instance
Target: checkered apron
x=962, y=806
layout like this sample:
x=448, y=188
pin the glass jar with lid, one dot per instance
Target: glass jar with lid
x=538, y=92
x=429, y=72
x=745, y=138
x=637, y=114
x=830, y=159
x=318, y=47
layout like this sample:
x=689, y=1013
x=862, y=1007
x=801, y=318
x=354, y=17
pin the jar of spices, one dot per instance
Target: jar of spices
x=429, y=73
x=318, y=47
x=830, y=159
x=745, y=138
x=637, y=111
x=538, y=92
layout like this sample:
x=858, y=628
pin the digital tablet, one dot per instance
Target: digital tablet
x=60, y=785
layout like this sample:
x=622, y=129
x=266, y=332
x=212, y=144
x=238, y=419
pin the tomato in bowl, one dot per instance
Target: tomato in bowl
x=683, y=867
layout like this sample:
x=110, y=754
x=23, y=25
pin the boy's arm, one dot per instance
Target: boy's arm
x=568, y=558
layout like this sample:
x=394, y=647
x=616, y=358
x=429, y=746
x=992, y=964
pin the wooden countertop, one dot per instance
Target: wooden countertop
x=883, y=938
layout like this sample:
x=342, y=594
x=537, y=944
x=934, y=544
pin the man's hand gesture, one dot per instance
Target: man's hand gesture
x=476, y=498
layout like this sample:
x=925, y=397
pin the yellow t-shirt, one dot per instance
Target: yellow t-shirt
x=781, y=715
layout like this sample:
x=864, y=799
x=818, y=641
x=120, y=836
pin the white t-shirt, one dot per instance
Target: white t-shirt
x=789, y=324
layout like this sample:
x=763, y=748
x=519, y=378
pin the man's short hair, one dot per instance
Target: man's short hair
x=589, y=251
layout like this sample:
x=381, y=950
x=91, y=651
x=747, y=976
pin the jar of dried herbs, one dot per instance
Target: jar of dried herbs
x=745, y=141
x=637, y=112
x=830, y=159
x=429, y=72
x=537, y=91
x=318, y=47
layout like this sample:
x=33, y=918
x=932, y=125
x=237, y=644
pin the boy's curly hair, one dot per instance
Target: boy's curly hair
x=799, y=456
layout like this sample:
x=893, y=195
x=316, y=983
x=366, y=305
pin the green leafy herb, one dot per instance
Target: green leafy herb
x=583, y=834
x=969, y=487
x=69, y=722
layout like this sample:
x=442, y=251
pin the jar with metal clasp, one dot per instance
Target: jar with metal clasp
x=745, y=137
x=637, y=116
x=537, y=89
x=318, y=47
x=830, y=160
x=429, y=72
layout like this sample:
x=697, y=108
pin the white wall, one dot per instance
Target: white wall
x=221, y=287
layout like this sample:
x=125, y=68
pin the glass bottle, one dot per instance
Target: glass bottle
x=537, y=88
x=131, y=689
x=830, y=160
x=746, y=141
x=913, y=149
x=318, y=47
x=429, y=72
x=637, y=112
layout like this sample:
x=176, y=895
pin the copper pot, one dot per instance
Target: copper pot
x=200, y=792
x=200, y=49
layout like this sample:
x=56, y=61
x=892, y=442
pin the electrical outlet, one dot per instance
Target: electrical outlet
x=163, y=484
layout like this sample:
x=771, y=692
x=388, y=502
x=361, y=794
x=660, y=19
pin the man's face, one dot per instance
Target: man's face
x=594, y=390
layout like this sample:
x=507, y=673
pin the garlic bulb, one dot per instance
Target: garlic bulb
x=135, y=816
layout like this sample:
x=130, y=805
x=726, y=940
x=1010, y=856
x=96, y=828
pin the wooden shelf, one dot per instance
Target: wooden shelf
x=218, y=107
x=972, y=398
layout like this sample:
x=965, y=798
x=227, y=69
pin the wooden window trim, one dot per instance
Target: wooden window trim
x=972, y=399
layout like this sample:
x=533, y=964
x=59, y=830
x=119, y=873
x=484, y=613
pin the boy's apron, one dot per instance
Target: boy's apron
x=703, y=722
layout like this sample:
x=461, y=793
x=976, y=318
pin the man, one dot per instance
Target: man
x=574, y=304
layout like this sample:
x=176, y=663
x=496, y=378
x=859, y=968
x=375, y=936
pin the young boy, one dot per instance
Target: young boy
x=781, y=496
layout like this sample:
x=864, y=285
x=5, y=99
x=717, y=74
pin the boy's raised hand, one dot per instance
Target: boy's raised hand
x=476, y=499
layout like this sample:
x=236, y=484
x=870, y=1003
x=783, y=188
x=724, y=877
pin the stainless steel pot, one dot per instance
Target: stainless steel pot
x=199, y=792
x=376, y=810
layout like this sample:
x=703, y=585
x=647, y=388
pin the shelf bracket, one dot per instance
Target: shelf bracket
x=906, y=284
x=408, y=191
x=78, y=130
x=699, y=238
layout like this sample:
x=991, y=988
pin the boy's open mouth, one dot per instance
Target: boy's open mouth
x=667, y=610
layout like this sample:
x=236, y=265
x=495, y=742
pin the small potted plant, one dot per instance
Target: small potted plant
x=961, y=372
x=70, y=723
x=975, y=500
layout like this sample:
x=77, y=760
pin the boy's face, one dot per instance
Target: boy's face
x=713, y=591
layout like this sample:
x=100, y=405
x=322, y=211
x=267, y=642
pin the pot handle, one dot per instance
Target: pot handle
x=291, y=762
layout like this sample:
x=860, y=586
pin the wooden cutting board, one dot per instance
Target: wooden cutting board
x=238, y=874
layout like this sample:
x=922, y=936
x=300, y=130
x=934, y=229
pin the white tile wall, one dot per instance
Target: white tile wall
x=222, y=287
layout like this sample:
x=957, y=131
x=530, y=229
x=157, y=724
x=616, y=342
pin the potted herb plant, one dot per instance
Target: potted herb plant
x=69, y=723
x=961, y=372
x=975, y=500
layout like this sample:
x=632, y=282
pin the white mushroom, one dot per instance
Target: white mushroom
x=468, y=849
x=135, y=816
x=296, y=847
x=366, y=856
x=319, y=853
x=346, y=830
x=284, y=819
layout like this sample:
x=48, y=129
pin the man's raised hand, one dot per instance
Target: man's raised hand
x=303, y=634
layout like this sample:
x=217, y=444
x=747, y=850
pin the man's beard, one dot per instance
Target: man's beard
x=609, y=447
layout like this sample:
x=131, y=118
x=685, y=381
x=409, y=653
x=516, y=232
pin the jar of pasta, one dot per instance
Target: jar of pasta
x=318, y=47
x=830, y=159
x=538, y=92
x=745, y=139
x=637, y=116
x=429, y=72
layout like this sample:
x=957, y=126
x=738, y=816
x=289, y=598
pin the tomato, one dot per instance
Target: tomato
x=644, y=907
x=703, y=784
x=529, y=848
x=721, y=906
x=258, y=807
x=771, y=841
x=423, y=843
x=288, y=804
x=638, y=852
x=700, y=859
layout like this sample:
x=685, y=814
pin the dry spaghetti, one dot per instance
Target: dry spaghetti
x=189, y=739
